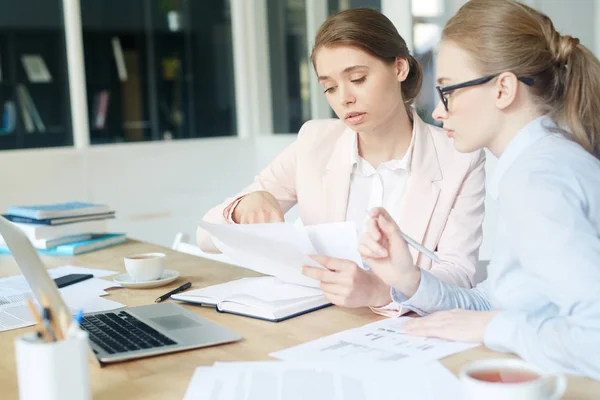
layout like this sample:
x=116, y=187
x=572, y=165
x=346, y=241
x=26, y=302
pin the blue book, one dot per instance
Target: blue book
x=58, y=210
x=97, y=242
x=58, y=221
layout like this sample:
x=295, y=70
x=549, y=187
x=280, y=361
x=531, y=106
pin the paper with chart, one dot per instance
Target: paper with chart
x=382, y=341
x=281, y=249
x=85, y=295
x=288, y=380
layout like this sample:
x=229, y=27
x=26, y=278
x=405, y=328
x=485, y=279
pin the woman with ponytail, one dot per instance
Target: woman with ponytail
x=379, y=152
x=512, y=84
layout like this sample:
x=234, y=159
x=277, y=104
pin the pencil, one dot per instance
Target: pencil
x=52, y=320
x=38, y=321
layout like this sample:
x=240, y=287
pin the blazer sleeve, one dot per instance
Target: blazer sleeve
x=278, y=178
x=458, y=247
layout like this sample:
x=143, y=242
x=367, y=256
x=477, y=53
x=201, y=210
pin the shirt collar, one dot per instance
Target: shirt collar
x=529, y=134
x=361, y=165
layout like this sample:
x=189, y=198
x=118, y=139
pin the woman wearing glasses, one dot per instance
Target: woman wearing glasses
x=379, y=152
x=537, y=109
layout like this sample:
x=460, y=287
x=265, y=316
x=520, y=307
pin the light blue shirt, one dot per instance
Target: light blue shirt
x=545, y=270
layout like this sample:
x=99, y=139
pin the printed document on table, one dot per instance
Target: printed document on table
x=330, y=381
x=85, y=295
x=382, y=341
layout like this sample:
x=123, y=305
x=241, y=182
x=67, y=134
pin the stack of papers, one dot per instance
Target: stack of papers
x=293, y=380
x=85, y=296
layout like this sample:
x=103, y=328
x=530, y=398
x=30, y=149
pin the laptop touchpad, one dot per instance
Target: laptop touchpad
x=172, y=322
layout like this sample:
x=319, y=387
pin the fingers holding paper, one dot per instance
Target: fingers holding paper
x=346, y=284
x=386, y=253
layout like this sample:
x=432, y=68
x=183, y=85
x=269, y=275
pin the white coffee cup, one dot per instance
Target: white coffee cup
x=145, y=266
x=510, y=379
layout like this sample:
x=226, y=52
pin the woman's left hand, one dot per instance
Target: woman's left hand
x=346, y=284
x=457, y=325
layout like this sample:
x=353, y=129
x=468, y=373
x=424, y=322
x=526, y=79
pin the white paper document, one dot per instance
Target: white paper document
x=84, y=295
x=281, y=249
x=382, y=341
x=291, y=380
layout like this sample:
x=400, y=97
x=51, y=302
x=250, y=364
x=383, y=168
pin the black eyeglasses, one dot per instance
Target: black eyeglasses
x=480, y=81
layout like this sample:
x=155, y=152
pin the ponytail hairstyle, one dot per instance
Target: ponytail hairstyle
x=372, y=32
x=507, y=36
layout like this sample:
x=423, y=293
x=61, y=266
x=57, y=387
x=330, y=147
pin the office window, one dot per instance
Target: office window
x=428, y=21
x=158, y=69
x=340, y=5
x=34, y=91
x=289, y=64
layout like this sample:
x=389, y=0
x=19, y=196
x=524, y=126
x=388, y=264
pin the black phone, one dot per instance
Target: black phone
x=70, y=279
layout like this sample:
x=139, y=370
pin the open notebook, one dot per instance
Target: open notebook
x=265, y=298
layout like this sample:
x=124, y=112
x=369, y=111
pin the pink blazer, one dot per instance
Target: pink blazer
x=442, y=208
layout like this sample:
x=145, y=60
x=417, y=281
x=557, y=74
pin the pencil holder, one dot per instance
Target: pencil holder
x=53, y=371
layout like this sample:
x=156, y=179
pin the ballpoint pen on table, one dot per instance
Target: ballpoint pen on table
x=174, y=291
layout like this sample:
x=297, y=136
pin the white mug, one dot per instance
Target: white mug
x=145, y=266
x=510, y=379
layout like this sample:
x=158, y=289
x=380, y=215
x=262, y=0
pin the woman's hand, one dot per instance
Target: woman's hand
x=346, y=284
x=256, y=208
x=386, y=253
x=458, y=325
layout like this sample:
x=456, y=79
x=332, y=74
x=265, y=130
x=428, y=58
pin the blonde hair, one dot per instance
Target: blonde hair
x=504, y=35
x=372, y=32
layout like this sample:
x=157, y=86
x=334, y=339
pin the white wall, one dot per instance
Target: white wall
x=157, y=188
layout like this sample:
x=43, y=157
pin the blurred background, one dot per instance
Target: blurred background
x=162, y=108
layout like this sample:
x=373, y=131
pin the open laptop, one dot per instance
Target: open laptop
x=123, y=334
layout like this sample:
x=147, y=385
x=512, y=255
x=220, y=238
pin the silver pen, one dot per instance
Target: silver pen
x=430, y=254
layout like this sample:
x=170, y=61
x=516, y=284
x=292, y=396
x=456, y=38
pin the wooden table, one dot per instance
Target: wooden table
x=167, y=377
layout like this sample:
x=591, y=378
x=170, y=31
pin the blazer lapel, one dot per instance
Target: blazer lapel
x=422, y=190
x=336, y=180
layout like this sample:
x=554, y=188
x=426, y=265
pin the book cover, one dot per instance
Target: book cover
x=59, y=221
x=25, y=115
x=48, y=243
x=33, y=111
x=34, y=232
x=70, y=209
x=97, y=242
x=35, y=68
x=119, y=59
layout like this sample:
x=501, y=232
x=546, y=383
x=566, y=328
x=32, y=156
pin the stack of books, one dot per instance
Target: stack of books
x=65, y=228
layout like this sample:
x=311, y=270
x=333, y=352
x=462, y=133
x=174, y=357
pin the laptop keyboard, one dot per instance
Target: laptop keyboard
x=121, y=332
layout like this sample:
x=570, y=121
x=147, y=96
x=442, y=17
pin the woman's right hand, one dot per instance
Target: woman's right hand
x=386, y=253
x=257, y=208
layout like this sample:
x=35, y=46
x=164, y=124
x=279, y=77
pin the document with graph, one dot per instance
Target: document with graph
x=382, y=341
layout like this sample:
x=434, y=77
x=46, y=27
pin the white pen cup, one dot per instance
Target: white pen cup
x=145, y=266
x=53, y=371
x=510, y=379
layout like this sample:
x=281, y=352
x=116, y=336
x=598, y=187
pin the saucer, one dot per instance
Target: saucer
x=167, y=277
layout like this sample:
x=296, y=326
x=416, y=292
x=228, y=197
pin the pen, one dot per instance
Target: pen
x=172, y=292
x=430, y=254
x=74, y=325
x=418, y=246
